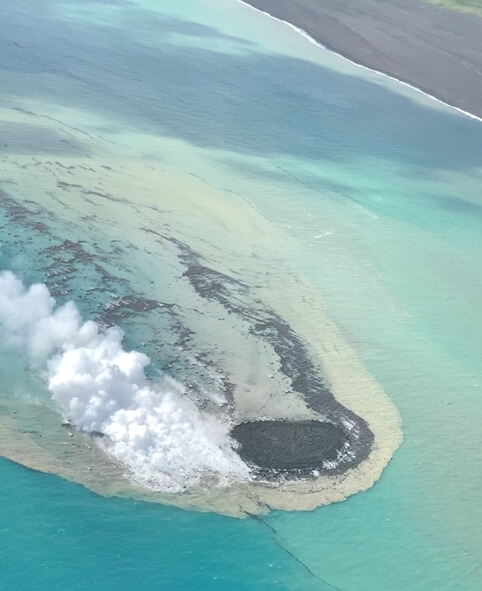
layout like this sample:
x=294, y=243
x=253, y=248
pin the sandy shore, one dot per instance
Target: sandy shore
x=430, y=47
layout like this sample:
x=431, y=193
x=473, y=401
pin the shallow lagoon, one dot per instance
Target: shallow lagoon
x=365, y=192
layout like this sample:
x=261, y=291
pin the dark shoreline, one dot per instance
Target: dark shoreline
x=347, y=439
x=290, y=449
x=432, y=48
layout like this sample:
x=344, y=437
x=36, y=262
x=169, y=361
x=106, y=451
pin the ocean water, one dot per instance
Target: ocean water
x=295, y=172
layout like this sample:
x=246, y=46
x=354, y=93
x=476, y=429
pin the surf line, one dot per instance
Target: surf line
x=378, y=72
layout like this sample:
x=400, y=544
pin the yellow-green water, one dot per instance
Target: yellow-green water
x=350, y=205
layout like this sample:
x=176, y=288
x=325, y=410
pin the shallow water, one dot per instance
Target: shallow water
x=308, y=178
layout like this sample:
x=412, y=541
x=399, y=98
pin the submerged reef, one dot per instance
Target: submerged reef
x=273, y=403
x=340, y=437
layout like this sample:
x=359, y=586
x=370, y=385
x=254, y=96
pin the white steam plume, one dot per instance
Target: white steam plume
x=157, y=433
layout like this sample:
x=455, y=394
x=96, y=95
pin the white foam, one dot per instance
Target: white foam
x=388, y=76
x=156, y=432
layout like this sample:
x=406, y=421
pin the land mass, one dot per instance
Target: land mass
x=436, y=49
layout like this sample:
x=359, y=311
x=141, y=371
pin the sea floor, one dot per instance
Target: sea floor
x=211, y=173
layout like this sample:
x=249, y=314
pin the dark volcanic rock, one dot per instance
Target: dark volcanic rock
x=292, y=448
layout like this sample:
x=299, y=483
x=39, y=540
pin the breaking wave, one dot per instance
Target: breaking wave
x=164, y=441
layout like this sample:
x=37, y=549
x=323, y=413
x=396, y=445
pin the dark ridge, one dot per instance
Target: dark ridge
x=98, y=434
x=126, y=306
x=290, y=448
x=114, y=298
x=22, y=214
x=297, y=361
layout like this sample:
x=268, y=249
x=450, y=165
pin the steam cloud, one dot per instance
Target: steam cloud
x=164, y=441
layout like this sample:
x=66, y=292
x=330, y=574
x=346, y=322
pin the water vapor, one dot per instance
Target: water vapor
x=164, y=441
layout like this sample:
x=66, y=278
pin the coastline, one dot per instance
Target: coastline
x=286, y=359
x=262, y=312
x=390, y=39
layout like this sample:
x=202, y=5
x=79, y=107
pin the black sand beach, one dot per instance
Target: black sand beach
x=433, y=48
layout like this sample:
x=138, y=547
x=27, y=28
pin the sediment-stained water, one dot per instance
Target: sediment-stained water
x=285, y=235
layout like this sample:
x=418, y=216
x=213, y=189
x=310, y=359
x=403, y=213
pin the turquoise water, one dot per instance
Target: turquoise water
x=378, y=191
x=61, y=534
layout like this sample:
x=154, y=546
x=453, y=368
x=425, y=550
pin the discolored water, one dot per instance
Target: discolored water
x=142, y=136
